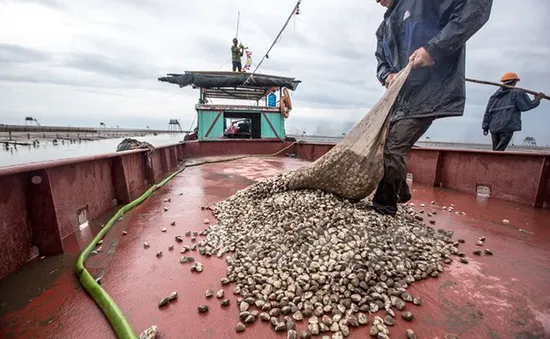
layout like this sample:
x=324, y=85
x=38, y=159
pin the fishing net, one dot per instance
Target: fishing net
x=355, y=166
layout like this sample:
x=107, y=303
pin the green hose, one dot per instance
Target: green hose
x=110, y=309
x=116, y=317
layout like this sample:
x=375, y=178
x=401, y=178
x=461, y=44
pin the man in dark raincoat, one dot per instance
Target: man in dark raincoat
x=432, y=35
x=503, y=113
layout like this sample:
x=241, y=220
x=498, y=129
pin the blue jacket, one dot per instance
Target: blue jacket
x=503, y=112
x=442, y=27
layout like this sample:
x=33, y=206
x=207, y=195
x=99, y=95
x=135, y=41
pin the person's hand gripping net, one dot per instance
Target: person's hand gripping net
x=420, y=58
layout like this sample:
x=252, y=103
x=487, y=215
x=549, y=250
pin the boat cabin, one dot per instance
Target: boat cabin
x=255, y=116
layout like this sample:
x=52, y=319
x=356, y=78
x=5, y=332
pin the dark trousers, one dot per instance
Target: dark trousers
x=501, y=140
x=237, y=65
x=393, y=187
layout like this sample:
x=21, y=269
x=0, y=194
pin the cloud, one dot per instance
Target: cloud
x=74, y=62
x=103, y=65
x=13, y=54
x=53, y=4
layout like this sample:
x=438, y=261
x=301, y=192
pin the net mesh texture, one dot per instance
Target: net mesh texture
x=354, y=167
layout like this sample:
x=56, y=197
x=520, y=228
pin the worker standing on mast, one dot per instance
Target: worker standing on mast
x=503, y=113
x=237, y=51
x=432, y=36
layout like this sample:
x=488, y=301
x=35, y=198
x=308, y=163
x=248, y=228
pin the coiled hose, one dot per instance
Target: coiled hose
x=110, y=309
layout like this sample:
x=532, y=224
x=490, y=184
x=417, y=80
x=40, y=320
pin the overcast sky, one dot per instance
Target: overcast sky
x=90, y=61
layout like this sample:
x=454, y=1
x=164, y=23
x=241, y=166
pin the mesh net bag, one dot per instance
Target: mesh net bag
x=354, y=167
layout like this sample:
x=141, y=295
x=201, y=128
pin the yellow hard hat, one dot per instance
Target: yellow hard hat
x=509, y=76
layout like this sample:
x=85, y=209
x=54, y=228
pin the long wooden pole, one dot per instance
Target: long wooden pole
x=507, y=86
x=238, y=22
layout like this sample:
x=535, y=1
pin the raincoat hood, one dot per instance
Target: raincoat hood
x=501, y=92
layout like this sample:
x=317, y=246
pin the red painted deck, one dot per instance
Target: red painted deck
x=503, y=296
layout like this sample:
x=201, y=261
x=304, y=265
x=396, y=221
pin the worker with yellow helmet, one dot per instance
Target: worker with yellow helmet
x=503, y=113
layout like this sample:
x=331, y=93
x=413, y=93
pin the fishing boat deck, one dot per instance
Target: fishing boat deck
x=506, y=295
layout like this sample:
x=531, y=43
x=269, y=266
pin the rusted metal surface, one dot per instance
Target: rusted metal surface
x=17, y=169
x=312, y=152
x=543, y=192
x=41, y=203
x=45, y=233
x=122, y=191
x=86, y=186
x=14, y=225
x=423, y=165
x=233, y=147
x=501, y=296
x=40, y=215
x=514, y=176
x=135, y=176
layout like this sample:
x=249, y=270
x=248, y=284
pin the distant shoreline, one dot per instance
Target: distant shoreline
x=31, y=135
x=429, y=144
x=26, y=151
x=22, y=138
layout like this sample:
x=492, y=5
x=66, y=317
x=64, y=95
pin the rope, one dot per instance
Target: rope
x=192, y=123
x=120, y=325
x=223, y=65
x=275, y=41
